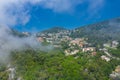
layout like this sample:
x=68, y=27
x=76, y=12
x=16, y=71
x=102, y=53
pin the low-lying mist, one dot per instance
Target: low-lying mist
x=9, y=42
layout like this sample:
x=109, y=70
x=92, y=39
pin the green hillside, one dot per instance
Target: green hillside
x=99, y=32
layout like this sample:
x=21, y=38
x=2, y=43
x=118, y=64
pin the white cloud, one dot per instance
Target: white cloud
x=60, y=5
x=69, y=5
x=14, y=12
x=9, y=12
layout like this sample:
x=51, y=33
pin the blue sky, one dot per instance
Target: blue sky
x=37, y=15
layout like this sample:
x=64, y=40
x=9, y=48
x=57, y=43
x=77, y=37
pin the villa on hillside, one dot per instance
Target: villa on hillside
x=88, y=49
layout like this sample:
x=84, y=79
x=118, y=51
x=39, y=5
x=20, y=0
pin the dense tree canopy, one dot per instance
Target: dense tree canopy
x=54, y=65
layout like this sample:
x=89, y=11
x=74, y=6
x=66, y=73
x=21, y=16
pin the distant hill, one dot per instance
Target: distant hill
x=19, y=34
x=54, y=30
x=99, y=32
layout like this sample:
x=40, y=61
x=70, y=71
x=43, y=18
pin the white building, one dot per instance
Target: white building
x=103, y=57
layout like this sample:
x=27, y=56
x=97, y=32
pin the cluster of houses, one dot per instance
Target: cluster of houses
x=75, y=45
x=54, y=38
x=79, y=45
x=107, y=56
x=112, y=44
